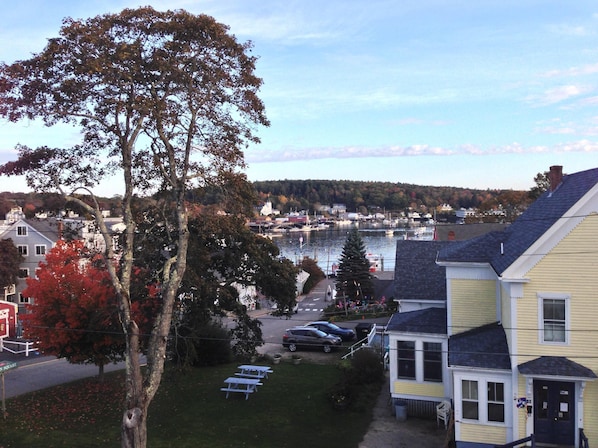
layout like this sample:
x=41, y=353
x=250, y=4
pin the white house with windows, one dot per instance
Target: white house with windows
x=33, y=239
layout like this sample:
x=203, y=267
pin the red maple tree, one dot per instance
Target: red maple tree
x=74, y=313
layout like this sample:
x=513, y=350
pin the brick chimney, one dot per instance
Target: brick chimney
x=555, y=176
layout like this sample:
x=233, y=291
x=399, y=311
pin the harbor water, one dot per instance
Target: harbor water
x=326, y=246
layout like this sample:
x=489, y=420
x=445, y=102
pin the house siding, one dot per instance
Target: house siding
x=32, y=239
x=491, y=435
x=568, y=270
x=476, y=305
x=590, y=417
x=419, y=390
x=560, y=272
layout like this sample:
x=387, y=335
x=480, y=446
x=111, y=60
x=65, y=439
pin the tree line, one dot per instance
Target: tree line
x=311, y=195
x=372, y=197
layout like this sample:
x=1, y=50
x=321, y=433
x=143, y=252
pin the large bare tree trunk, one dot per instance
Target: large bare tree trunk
x=134, y=427
x=141, y=388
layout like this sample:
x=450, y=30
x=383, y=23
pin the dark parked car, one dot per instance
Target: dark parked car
x=309, y=337
x=346, y=334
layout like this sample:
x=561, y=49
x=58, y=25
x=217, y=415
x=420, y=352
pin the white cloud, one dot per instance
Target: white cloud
x=588, y=69
x=413, y=121
x=588, y=127
x=558, y=94
x=357, y=152
x=571, y=30
x=589, y=101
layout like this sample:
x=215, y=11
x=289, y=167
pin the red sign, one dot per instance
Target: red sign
x=8, y=319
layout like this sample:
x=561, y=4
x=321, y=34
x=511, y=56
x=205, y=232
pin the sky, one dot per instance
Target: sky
x=474, y=94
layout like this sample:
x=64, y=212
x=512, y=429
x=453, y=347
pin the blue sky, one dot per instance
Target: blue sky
x=476, y=94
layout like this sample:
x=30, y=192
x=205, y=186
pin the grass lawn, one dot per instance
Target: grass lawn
x=291, y=409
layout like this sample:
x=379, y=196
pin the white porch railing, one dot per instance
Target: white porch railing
x=17, y=347
x=365, y=342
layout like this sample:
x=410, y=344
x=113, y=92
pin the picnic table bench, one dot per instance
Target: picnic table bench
x=241, y=385
x=256, y=372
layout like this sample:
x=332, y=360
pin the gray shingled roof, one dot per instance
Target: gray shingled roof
x=483, y=347
x=428, y=320
x=417, y=276
x=462, y=232
x=530, y=226
x=46, y=227
x=555, y=366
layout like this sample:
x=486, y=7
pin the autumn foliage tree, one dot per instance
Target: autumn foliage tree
x=73, y=314
x=165, y=100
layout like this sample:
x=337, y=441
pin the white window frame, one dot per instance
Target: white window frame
x=40, y=250
x=483, y=379
x=23, y=229
x=566, y=298
x=495, y=402
x=24, y=271
x=419, y=359
x=411, y=361
x=441, y=364
x=476, y=399
x=23, y=249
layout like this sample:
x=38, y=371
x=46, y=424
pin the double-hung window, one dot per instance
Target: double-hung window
x=469, y=399
x=496, y=402
x=433, y=361
x=482, y=399
x=40, y=249
x=421, y=361
x=23, y=250
x=406, y=359
x=553, y=319
x=22, y=230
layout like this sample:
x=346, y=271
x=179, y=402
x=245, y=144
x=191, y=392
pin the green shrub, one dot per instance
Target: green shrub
x=367, y=367
x=206, y=345
x=360, y=380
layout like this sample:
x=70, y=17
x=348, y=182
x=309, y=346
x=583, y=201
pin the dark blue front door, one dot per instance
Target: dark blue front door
x=554, y=412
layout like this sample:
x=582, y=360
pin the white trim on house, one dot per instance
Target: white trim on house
x=483, y=377
x=419, y=340
x=541, y=296
x=553, y=236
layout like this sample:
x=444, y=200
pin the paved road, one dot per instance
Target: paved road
x=40, y=372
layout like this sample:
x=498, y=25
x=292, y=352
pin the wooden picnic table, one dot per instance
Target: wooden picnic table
x=241, y=385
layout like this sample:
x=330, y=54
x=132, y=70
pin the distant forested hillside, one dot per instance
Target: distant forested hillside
x=310, y=195
x=371, y=197
x=50, y=203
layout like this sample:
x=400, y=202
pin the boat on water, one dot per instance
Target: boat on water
x=421, y=233
x=376, y=262
x=389, y=232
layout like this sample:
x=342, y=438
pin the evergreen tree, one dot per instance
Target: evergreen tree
x=542, y=182
x=10, y=261
x=354, y=281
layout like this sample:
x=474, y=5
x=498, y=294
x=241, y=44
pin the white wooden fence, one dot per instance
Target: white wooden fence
x=17, y=347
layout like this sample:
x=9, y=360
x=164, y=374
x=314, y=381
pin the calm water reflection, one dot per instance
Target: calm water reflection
x=326, y=246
